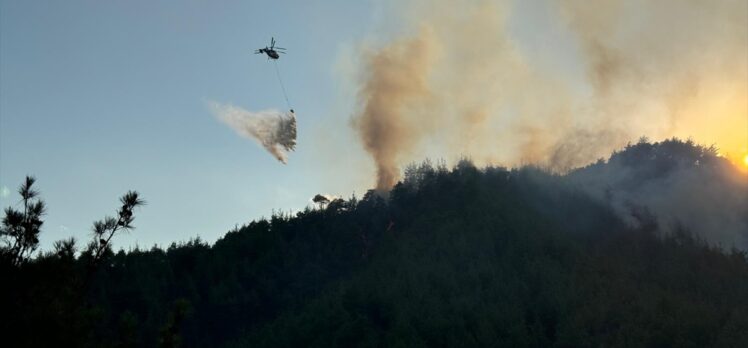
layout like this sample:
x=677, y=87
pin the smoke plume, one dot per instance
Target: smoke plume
x=459, y=81
x=396, y=81
x=273, y=129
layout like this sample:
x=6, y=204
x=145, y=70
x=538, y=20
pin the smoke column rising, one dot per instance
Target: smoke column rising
x=396, y=79
x=273, y=129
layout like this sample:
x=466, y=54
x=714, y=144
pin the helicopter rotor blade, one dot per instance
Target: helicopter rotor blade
x=280, y=48
x=272, y=42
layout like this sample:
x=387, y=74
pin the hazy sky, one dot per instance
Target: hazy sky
x=97, y=98
x=101, y=97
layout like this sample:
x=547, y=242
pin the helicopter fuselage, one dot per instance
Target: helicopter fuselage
x=271, y=51
x=272, y=54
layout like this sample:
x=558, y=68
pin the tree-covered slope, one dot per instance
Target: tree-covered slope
x=448, y=257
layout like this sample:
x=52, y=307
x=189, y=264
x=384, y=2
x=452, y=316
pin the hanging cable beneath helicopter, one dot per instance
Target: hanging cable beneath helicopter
x=283, y=87
x=274, y=53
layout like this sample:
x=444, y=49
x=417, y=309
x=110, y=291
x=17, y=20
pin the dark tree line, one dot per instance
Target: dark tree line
x=45, y=297
x=449, y=257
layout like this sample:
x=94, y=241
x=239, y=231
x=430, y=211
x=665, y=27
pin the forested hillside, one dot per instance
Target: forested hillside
x=459, y=256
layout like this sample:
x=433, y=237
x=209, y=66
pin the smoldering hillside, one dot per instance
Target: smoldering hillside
x=674, y=185
x=666, y=188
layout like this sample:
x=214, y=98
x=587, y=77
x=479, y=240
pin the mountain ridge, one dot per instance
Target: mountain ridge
x=449, y=257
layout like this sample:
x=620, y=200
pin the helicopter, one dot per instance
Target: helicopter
x=271, y=51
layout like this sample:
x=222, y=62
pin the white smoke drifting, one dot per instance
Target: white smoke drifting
x=273, y=129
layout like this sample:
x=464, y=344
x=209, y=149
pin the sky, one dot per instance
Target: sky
x=97, y=98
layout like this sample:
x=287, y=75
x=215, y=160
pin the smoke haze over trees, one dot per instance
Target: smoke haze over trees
x=601, y=256
x=679, y=184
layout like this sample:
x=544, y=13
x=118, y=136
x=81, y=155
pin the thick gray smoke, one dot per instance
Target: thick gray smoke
x=457, y=80
x=395, y=81
x=273, y=129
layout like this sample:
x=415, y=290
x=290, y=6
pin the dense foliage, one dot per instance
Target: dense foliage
x=460, y=257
